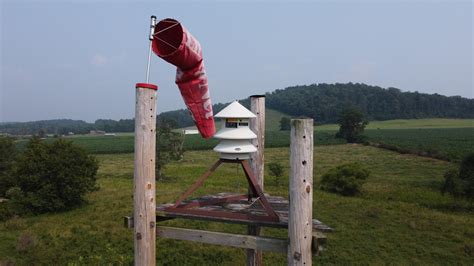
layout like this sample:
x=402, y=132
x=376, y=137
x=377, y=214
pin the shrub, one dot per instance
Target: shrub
x=169, y=147
x=460, y=183
x=7, y=156
x=276, y=170
x=345, y=179
x=52, y=177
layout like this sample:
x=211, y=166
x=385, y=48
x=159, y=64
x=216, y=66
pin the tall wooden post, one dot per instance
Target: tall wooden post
x=257, y=125
x=301, y=192
x=144, y=206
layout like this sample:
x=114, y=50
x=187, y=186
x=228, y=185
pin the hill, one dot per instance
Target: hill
x=322, y=102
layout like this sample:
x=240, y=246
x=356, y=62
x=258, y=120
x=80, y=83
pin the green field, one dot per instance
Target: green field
x=444, y=143
x=411, y=124
x=401, y=218
x=448, y=139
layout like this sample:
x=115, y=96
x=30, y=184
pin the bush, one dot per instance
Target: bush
x=7, y=157
x=345, y=179
x=460, y=183
x=276, y=170
x=169, y=147
x=51, y=177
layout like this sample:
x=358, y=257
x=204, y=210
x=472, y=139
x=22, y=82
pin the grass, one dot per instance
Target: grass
x=400, y=218
x=447, y=143
x=427, y=123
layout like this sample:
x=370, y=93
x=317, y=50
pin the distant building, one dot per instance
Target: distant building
x=70, y=133
x=110, y=134
x=190, y=131
x=97, y=132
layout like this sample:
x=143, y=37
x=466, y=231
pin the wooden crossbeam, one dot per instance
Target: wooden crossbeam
x=224, y=239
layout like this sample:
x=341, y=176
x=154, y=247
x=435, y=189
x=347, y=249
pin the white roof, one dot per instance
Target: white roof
x=235, y=133
x=235, y=146
x=235, y=110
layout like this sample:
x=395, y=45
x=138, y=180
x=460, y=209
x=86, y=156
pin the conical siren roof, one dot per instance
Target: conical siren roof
x=235, y=110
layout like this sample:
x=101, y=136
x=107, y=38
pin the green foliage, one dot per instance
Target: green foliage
x=52, y=177
x=352, y=125
x=7, y=156
x=276, y=170
x=401, y=204
x=460, y=184
x=169, y=147
x=285, y=123
x=345, y=179
x=442, y=143
x=323, y=102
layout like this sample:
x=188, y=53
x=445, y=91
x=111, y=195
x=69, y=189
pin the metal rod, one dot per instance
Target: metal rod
x=150, y=38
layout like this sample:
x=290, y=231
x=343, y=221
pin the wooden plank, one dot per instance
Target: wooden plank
x=144, y=206
x=301, y=192
x=224, y=239
x=257, y=125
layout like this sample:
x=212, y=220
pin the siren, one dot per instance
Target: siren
x=173, y=43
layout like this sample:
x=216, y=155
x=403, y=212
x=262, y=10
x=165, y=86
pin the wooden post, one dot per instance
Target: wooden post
x=257, y=125
x=144, y=207
x=301, y=192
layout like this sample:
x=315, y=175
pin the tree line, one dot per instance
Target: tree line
x=322, y=102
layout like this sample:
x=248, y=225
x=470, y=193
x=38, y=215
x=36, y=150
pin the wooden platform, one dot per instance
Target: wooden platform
x=279, y=204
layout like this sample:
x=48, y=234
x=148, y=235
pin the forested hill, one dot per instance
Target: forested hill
x=324, y=102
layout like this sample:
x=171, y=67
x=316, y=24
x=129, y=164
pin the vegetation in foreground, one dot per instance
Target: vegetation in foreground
x=400, y=217
x=45, y=177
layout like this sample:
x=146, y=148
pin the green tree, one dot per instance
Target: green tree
x=460, y=183
x=7, y=157
x=169, y=147
x=52, y=177
x=351, y=125
x=276, y=170
x=284, y=123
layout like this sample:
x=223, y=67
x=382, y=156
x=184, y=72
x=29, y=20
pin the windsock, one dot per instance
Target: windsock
x=174, y=44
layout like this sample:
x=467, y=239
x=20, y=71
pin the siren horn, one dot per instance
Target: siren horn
x=174, y=44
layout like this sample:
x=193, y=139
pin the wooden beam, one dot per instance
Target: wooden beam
x=301, y=192
x=144, y=207
x=257, y=125
x=224, y=239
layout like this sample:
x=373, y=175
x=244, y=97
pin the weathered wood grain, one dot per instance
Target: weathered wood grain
x=144, y=178
x=300, y=192
x=257, y=125
x=224, y=239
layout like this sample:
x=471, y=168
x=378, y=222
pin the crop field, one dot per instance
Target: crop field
x=426, y=123
x=400, y=217
x=448, y=139
x=446, y=143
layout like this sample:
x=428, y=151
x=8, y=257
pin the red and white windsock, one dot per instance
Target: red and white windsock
x=174, y=44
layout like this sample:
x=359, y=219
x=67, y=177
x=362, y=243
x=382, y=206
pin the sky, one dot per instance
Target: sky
x=81, y=59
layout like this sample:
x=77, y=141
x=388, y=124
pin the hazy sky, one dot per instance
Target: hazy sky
x=81, y=60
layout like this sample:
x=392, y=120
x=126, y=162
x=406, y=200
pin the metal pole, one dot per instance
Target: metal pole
x=150, y=37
